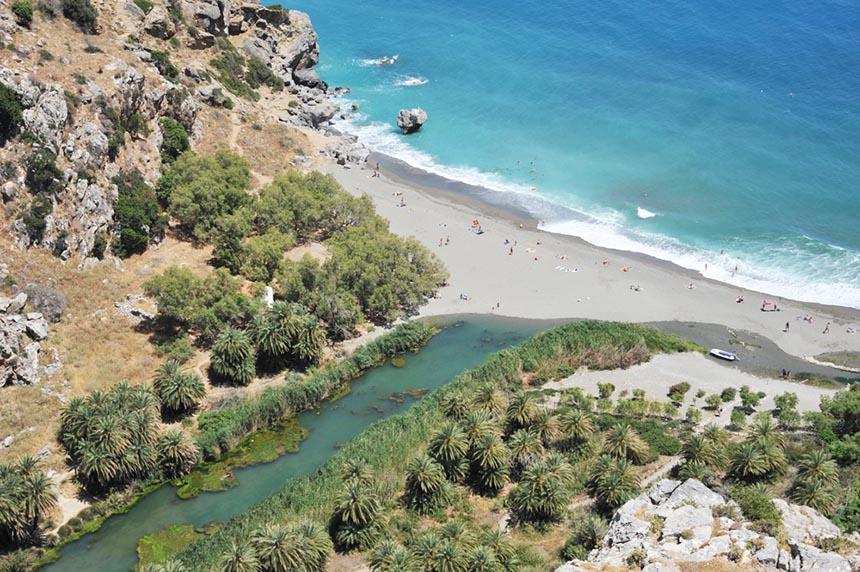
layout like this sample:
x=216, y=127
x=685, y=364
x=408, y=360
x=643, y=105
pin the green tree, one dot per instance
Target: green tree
x=747, y=462
x=605, y=390
x=526, y=449
x=521, y=411
x=178, y=392
x=11, y=113
x=490, y=463
x=450, y=446
x=542, y=495
x=357, y=510
x=138, y=217
x=389, y=556
x=174, y=139
x=576, y=426
x=233, y=357
x=82, y=13
x=177, y=453
x=23, y=10
x=817, y=465
x=612, y=481
x=623, y=442
x=425, y=485
x=728, y=394
x=43, y=176
x=240, y=558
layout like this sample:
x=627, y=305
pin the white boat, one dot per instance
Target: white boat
x=723, y=354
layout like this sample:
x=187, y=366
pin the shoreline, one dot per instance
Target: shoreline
x=533, y=283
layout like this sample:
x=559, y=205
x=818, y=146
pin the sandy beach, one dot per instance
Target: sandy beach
x=513, y=268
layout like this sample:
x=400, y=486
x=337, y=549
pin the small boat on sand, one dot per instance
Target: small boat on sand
x=723, y=354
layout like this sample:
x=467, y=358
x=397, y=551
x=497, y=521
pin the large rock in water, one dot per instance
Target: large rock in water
x=411, y=120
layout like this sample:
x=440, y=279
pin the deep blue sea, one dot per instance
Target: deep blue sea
x=725, y=133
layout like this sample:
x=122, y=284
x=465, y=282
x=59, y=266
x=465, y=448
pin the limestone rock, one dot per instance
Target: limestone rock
x=411, y=120
x=37, y=326
x=662, y=489
x=693, y=492
x=201, y=41
x=813, y=559
x=16, y=304
x=159, y=24
x=688, y=520
x=47, y=116
x=805, y=524
x=50, y=302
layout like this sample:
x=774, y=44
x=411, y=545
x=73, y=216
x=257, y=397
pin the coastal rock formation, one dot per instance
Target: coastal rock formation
x=20, y=335
x=674, y=523
x=411, y=120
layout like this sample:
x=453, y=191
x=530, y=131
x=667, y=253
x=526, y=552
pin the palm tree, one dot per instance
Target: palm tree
x=456, y=405
x=169, y=566
x=613, y=481
x=457, y=531
x=623, y=442
x=502, y=547
x=766, y=429
x=522, y=409
x=747, y=462
x=490, y=463
x=233, y=357
x=525, y=449
x=491, y=399
x=576, y=425
x=546, y=427
x=425, y=549
x=317, y=544
x=698, y=449
x=357, y=470
x=177, y=453
x=814, y=493
x=694, y=470
x=356, y=510
x=449, y=558
x=773, y=456
x=425, y=484
x=389, y=556
x=309, y=342
x=449, y=446
x=272, y=340
x=178, y=392
x=478, y=425
x=483, y=559
x=540, y=496
x=240, y=558
x=819, y=466
x=278, y=549
x=97, y=466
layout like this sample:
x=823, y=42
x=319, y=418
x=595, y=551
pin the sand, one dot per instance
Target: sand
x=532, y=282
x=656, y=376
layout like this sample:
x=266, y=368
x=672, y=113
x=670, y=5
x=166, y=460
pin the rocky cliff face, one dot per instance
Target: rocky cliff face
x=97, y=109
x=675, y=525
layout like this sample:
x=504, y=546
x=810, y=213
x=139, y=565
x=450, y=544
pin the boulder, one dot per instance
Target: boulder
x=201, y=41
x=812, y=559
x=411, y=120
x=159, y=24
x=48, y=115
x=50, y=302
x=805, y=524
x=662, y=489
x=27, y=370
x=37, y=326
x=17, y=303
x=687, y=520
x=308, y=77
x=691, y=492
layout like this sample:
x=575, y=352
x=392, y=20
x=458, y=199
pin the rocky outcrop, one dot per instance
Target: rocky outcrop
x=411, y=120
x=20, y=335
x=159, y=24
x=48, y=301
x=674, y=524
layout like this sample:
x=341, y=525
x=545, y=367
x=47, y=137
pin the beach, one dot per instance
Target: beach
x=506, y=265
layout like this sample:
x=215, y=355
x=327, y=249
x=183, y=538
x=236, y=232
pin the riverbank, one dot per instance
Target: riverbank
x=508, y=266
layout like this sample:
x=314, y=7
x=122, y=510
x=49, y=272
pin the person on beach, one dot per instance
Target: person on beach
x=739, y=300
x=447, y=240
x=402, y=200
x=691, y=286
x=826, y=329
x=787, y=325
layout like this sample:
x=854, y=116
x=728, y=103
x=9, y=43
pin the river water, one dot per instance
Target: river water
x=462, y=344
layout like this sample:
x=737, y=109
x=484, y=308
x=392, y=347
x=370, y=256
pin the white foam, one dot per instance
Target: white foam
x=383, y=61
x=411, y=81
x=837, y=283
x=644, y=213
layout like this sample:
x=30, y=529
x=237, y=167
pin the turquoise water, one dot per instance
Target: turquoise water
x=679, y=129
x=462, y=345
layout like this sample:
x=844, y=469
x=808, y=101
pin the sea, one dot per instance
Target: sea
x=723, y=136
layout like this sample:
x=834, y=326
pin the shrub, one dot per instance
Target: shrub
x=82, y=13
x=231, y=70
x=144, y=5
x=34, y=217
x=11, y=113
x=756, y=506
x=23, y=11
x=138, y=216
x=259, y=73
x=728, y=394
x=712, y=402
x=678, y=391
x=161, y=61
x=175, y=139
x=43, y=175
x=99, y=246
x=605, y=390
x=738, y=418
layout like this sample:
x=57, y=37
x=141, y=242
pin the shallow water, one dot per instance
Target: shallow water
x=463, y=344
x=699, y=132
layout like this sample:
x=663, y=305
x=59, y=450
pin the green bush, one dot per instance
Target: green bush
x=231, y=70
x=259, y=73
x=757, y=506
x=43, y=175
x=82, y=13
x=11, y=113
x=175, y=139
x=200, y=189
x=138, y=216
x=99, y=246
x=34, y=217
x=23, y=11
x=144, y=5
x=162, y=63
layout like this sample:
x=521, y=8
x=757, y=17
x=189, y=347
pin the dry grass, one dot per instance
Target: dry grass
x=98, y=346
